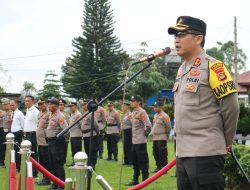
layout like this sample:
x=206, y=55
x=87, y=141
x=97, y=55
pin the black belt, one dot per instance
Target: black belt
x=112, y=125
x=100, y=121
x=20, y=131
x=49, y=139
x=27, y=133
x=87, y=131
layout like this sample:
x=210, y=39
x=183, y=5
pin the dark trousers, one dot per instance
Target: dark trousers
x=31, y=136
x=2, y=146
x=65, y=151
x=160, y=153
x=100, y=142
x=112, y=141
x=93, y=160
x=43, y=155
x=140, y=161
x=18, y=139
x=200, y=173
x=76, y=145
x=127, y=146
x=56, y=157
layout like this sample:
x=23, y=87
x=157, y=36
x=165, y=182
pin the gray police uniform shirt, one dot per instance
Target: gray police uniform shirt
x=113, y=122
x=86, y=126
x=140, y=124
x=206, y=108
x=76, y=131
x=42, y=124
x=1, y=118
x=57, y=123
x=7, y=121
x=126, y=121
x=100, y=116
x=161, y=126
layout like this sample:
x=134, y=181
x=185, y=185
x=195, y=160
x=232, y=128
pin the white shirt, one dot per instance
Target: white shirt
x=30, y=122
x=17, y=121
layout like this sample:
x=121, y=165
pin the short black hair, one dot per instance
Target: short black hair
x=29, y=96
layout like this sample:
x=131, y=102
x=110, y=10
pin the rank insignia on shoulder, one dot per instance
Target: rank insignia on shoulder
x=197, y=62
x=220, y=79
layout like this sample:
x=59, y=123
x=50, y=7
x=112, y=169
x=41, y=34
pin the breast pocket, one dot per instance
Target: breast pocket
x=190, y=98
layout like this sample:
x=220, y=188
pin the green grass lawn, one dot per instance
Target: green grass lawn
x=112, y=171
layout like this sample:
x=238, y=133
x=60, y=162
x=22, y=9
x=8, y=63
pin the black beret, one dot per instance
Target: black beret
x=73, y=104
x=185, y=23
x=126, y=102
x=136, y=98
x=159, y=102
x=54, y=101
x=110, y=104
x=62, y=101
x=41, y=100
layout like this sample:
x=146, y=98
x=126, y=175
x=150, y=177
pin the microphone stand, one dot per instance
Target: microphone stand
x=105, y=98
x=92, y=107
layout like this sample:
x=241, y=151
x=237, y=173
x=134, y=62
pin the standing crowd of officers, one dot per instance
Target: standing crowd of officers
x=44, y=119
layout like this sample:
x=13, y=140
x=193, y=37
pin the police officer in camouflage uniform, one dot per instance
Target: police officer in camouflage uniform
x=126, y=127
x=57, y=122
x=113, y=128
x=43, y=150
x=206, y=110
x=160, y=131
x=86, y=130
x=75, y=132
x=141, y=128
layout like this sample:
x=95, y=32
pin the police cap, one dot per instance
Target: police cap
x=135, y=98
x=185, y=23
x=54, y=101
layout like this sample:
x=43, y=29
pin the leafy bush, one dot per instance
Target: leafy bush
x=244, y=121
x=232, y=173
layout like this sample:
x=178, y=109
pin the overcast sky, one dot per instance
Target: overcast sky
x=44, y=29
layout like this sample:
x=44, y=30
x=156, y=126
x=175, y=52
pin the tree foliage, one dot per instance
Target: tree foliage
x=150, y=82
x=51, y=87
x=94, y=69
x=225, y=53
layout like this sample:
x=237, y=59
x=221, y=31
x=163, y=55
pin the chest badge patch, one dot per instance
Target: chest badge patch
x=195, y=72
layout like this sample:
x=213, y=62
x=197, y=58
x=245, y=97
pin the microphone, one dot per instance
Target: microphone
x=151, y=57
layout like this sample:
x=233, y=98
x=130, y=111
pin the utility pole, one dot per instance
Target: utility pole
x=235, y=53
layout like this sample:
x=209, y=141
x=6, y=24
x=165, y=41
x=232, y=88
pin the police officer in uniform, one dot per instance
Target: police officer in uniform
x=43, y=151
x=100, y=116
x=75, y=132
x=7, y=121
x=160, y=131
x=113, y=127
x=141, y=128
x=57, y=123
x=206, y=109
x=62, y=104
x=86, y=130
x=126, y=127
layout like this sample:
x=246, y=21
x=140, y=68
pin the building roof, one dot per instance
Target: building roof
x=244, y=79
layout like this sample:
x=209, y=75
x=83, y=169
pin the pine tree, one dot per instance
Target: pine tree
x=95, y=67
x=51, y=87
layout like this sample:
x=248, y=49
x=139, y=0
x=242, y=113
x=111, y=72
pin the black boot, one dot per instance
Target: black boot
x=132, y=183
